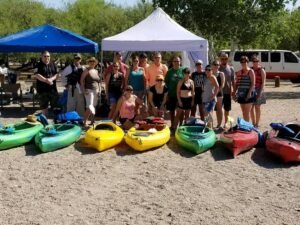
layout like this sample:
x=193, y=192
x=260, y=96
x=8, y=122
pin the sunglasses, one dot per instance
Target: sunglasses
x=216, y=64
x=224, y=59
x=207, y=69
x=243, y=61
x=77, y=58
x=46, y=56
x=129, y=90
x=159, y=80
x=255, y=61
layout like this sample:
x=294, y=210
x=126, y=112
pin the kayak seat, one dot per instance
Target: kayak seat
x=104, y=127
x=148, y=126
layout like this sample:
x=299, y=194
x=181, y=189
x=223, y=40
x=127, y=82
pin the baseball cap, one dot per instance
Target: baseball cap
x=77, y=55
x=199, y=61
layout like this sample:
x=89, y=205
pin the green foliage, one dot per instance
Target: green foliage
x=243, y=22
x=249, y=23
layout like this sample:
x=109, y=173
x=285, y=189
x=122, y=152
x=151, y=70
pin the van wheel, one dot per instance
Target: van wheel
x=295, y=80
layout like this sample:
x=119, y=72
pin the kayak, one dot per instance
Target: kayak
x=103, y=135
x=287, y=147
x=17, y=134
x=238, y=141
x=57, y=136
x=193, y=138
x=147, y=136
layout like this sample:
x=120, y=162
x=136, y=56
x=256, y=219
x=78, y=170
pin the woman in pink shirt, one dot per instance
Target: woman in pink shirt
x=127, y=105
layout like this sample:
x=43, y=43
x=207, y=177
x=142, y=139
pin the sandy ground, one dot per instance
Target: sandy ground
x=77, y=185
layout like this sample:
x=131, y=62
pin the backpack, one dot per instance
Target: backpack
x=72, y=117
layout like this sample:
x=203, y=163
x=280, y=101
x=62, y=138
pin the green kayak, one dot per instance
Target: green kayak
x=192, y=138
x=17, y=134
x=57, y=136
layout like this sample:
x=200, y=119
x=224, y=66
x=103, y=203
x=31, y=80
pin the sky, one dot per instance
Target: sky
x=58, y=4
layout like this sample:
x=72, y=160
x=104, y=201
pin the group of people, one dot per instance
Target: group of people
x=152, y=89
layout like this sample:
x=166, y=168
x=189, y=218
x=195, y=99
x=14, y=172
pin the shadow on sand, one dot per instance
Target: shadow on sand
x=174, y=147
x=84, y=149
x=267, y=160
x=282, y=95
x=31, y=149
x=220, y=153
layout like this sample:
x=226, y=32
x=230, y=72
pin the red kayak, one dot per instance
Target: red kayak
x=238, y=141
x=286, y=147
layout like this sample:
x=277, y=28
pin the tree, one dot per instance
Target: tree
x=239, y=21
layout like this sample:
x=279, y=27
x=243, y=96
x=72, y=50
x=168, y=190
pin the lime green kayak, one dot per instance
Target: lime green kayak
x=57, y=136
x=17, y=134
x=192, y=138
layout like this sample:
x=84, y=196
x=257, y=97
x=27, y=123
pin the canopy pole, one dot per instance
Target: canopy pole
x=101, y=73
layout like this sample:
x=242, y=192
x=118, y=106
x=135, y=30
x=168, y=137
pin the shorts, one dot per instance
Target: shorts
x=123, y=120
x=48, y=97
x=209, y=106
x=140, y=94
x=198, y=97
x=186, y=103
x=227, y=102
x=113, y=97
x=243, y=100
x=171, y=103
x=261, y=100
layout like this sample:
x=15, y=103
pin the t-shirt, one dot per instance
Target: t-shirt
x=172, y=78
x=158, y=97
x=153, y=70
x=47, y=71
x=229, y=77
x=198, y=79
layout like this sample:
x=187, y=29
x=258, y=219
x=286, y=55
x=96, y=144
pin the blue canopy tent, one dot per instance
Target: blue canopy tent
x=47, y=37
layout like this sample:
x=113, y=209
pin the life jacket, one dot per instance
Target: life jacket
x=74, y=77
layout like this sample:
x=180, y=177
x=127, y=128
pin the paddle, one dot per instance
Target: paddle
x=206, y=120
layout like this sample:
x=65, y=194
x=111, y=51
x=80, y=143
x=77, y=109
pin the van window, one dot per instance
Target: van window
x=238, y=55
x=264, y=56
x=275, y=56
x=290, y=58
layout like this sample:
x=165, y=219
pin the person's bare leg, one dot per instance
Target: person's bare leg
x=258, y=114
x=177, y=118
x=219, y=111
x=253, y=115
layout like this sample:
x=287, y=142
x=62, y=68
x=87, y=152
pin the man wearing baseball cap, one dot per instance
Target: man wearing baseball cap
x=71, y=79
x=198, y=77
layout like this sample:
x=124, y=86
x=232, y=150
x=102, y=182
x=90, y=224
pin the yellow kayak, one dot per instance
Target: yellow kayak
x=147, y=136
x=103, y=135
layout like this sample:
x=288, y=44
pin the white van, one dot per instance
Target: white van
x=282, y=63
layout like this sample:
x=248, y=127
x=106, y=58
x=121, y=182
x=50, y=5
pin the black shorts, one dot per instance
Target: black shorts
x=123, y=120
x=198, y=97
x=171, y=103
x=48, y=97
x=243, y=100
x=227, y=102
x=186, y=103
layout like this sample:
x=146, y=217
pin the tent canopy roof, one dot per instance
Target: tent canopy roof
x=158, y=32
x=47, y=37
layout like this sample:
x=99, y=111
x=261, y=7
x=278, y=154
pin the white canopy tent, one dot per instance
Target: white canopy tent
x=158, y=32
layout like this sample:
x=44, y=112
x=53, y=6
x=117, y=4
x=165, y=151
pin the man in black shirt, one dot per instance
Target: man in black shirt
x=46, y=74
x=198, y=77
